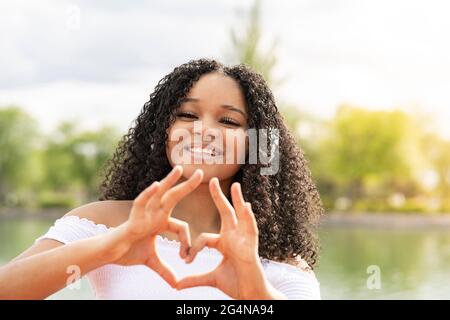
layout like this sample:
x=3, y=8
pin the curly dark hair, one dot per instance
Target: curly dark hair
x=287, y=205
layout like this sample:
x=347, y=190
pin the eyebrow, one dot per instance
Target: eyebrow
x=226, y=106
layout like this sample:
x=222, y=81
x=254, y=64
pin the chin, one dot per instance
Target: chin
x=221, y=171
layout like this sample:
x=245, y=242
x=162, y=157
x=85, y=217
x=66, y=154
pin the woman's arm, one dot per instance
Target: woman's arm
x=43, y=269
x=44, y=273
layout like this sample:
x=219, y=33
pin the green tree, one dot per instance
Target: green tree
x=18, y=138
x=74, y=159
x=246, y=46
x=437, y=150
x=373, y=151
x=91, y=151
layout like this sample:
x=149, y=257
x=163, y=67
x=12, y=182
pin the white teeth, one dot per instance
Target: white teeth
x=208, y=152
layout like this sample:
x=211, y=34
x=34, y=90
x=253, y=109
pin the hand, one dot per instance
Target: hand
x=134, y=242
x=240, y=274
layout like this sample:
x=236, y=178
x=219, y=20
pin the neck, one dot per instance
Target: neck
x=199, y=211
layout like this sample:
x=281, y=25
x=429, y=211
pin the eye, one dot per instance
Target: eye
x=187, y=115
x=230, y=121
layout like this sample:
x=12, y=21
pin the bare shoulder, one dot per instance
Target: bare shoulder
x=111, y=213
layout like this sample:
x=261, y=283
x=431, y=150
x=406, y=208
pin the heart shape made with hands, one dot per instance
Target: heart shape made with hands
x=221, y=276
x=237, y=243
x=208, y=240
x=237, y=240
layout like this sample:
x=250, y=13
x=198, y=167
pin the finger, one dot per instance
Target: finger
x=171, y=178
x=251, y=223
x=170, y=199
x=181, y=228
x=210, y=240
x=163, y=269
x=226, y=211
x=238, y=201
x=142, y=198
x=205, y=279
x=164, y=185
x=139, y=204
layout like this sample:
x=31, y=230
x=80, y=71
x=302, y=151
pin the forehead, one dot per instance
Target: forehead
x=217, y=88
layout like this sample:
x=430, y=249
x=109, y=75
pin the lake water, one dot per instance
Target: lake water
x=355, y=263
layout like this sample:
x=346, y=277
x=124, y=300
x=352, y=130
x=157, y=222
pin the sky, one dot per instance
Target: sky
x=97, y=62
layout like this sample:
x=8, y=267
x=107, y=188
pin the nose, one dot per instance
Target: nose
x=204, y=131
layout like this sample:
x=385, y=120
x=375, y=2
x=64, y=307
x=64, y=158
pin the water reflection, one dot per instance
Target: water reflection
x=414, y=264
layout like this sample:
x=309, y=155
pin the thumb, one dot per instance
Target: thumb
x=205, y=279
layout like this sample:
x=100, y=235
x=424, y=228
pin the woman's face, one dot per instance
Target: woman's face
x=210, y=129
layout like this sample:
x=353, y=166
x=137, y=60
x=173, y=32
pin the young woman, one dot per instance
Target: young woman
x=166, y=228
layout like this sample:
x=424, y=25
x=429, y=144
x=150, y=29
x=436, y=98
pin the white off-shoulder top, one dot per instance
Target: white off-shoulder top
x=140, y=282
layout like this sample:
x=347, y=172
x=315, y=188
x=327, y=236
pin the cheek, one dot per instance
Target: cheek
x=236, y=148
x=170, y=144
x=175, y=135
